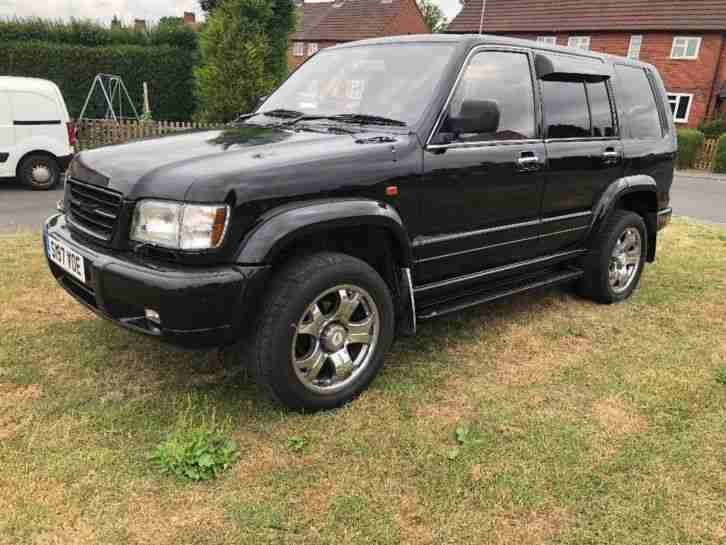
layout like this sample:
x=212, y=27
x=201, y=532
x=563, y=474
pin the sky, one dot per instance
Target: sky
x=127, y=10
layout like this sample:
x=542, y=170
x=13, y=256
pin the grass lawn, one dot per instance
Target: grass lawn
x=577, y=423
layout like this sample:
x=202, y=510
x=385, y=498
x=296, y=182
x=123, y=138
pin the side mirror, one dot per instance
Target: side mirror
x=476, y=116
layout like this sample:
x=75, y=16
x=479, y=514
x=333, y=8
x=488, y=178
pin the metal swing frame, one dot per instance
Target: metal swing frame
x=114, y=92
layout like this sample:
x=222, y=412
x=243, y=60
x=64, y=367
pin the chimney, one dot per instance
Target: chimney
x=140, y=25
x=189, y=18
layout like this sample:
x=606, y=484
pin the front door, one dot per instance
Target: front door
x=481, y=191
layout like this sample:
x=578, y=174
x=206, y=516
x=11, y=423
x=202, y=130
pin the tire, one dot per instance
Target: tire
x=300, y=352
x=39, y=172
x=611, y=278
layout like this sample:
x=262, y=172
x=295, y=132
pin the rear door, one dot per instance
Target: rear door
x=7, y=136
x=480, y=193
x=585, y=155
x=38, y=117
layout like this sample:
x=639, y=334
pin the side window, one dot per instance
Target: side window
x=565, y=109
x=636, y=102
x=500, y=82
x=601, y=112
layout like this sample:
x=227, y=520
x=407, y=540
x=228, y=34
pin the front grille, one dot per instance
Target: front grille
x=93, y=210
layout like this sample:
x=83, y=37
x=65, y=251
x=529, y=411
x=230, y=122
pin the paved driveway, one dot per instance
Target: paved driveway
x=692, y=195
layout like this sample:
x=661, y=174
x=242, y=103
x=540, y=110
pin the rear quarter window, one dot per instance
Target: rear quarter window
x=636, y=103
x=34, y=107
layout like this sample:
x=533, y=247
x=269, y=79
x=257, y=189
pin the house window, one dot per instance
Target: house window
x=312, y=48
x=549, y=40
x=298, y=49
x=685, y=47
x=680, y=104
x=579, y=42
x=636, y=41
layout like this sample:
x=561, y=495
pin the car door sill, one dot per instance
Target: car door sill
x=473, y=277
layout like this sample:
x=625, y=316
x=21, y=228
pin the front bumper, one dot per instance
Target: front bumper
x=198, y=307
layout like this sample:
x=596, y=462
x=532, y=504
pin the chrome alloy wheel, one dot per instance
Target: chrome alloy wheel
x=41, y=174
x=335, y=339
x=625, y=260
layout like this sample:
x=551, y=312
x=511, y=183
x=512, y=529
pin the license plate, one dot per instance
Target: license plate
x=67, y=259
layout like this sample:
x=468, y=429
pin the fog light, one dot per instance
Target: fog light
x=152, y=316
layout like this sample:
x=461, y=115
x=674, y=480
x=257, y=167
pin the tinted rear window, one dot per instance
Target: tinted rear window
x=565, y=107
x=601, y=110
x=636, y=102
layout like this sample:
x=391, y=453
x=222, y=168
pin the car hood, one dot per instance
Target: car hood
x=249, y=161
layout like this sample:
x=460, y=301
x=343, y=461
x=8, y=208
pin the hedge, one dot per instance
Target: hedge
x=92, y=34
x=689, y=144
x=167, y=70
x=713, y=129
x=719, y=160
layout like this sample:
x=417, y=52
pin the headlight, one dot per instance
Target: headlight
x=180, y=226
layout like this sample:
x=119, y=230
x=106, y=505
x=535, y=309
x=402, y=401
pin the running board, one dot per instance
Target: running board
x=551, y=279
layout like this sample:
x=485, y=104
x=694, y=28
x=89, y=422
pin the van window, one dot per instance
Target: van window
x=504, y=78
x=34, y=107
x=601, y=110
x=565, y=109
x=636, y=102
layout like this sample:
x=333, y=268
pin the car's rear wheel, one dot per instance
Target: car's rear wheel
x=614, y=266
x=39, y=172
x=326, y=323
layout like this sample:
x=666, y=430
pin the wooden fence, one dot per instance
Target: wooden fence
x=706, y=155
x=93, y=133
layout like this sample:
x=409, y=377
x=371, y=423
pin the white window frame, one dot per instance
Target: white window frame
x=636, y=44
x=578, y=41
x=298, y=49
x=549, y=40
x=677, y=98
x=684, y=44
x=312, y=48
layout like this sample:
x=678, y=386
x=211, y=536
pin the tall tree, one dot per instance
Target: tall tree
x=232, y=72
x=432, y=14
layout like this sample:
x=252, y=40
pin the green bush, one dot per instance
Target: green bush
x=92, y=34
x=689, y=144
x=167, y=70
x=719, y=160
x=713, y=129
x=195, y=455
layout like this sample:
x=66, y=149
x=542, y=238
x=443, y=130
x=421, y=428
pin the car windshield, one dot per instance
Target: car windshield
x=388, y=82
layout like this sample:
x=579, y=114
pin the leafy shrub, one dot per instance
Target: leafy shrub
x=198, y=449
x=719, y=160
x=713, y=129
x=689, y=144
x=91, y=34
x=167, y=69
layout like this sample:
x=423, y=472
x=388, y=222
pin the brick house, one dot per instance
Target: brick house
x=322, y=24
x=685, y=40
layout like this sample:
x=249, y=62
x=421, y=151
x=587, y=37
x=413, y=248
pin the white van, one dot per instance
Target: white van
x=36, y=135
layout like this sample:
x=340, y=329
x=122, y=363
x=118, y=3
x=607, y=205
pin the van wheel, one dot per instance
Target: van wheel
x=39, y=172
x=328, y=319
x=614, y=266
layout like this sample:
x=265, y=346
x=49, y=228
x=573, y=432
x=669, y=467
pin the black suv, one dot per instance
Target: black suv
x=385, y=182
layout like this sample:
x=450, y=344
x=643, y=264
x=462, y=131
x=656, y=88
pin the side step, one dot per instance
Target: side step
x=551, y=278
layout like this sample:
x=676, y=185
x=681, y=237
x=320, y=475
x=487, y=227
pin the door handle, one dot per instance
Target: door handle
x=528, y=162
x=611, y=156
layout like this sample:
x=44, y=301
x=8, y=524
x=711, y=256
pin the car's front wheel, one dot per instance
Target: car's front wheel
x=325, y=326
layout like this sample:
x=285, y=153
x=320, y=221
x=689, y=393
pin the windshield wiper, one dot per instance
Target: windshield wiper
x=365, y=119
x=279, y=112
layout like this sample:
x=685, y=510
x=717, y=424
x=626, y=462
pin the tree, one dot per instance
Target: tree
x=232, y=73
x=432, y=14
x=209, y=5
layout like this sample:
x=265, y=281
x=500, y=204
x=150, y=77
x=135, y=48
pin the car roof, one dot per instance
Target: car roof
x=14, y=83
x=490, y=39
